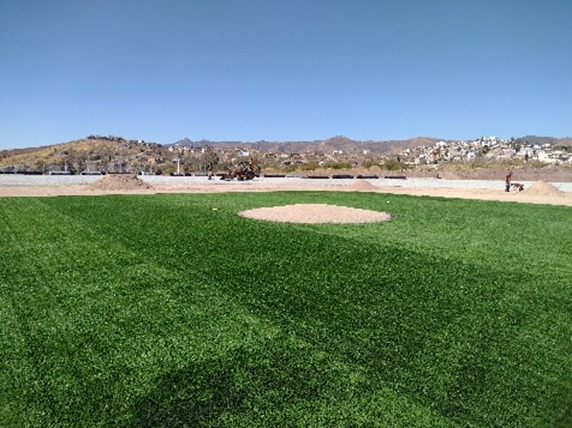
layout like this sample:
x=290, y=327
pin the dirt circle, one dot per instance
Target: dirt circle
x=315, y=213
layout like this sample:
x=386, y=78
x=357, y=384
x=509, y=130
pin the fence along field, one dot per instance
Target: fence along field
x=173, y=310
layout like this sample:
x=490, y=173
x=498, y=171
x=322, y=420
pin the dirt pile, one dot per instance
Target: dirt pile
x=119, y=182
x=542, y=188
x=363, y=185
x=315, y=213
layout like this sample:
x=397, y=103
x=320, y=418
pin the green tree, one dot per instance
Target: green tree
x=210, y=158
x=393, y=165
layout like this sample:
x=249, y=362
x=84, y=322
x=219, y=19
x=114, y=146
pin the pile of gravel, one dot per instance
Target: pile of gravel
x=119, y=182
x=363, y=185
x=543, y=188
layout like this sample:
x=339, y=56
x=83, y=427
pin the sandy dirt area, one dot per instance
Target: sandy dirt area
x=539, y=192
x=316, y=213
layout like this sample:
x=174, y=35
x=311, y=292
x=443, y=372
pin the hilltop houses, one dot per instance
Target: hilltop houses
x=491, y=148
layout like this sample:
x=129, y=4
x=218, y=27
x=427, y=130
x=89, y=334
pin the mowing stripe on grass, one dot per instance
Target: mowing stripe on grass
x=143, y=310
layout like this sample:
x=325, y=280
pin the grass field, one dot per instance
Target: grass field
x=162, y=311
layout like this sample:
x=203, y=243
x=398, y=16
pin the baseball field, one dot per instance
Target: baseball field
x=172, y=310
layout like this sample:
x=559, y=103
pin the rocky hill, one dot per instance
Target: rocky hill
x=97, y=153
x=533, y=139
x=75, y=156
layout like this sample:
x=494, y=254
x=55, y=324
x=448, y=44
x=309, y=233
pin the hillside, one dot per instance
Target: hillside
x=77, y=155
x=116, y=154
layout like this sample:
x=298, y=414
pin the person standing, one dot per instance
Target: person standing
x=508, y=181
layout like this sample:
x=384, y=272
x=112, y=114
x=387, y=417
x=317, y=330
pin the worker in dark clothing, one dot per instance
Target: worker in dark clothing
x=508, y=180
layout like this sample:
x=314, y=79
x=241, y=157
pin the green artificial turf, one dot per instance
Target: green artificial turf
x=171, y=310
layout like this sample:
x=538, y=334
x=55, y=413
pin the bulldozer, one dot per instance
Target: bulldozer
x=243, y=171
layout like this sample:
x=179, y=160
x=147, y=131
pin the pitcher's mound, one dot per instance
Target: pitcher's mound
x=316, y=213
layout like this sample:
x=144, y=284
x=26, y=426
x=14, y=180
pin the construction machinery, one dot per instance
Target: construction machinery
x=243, y=171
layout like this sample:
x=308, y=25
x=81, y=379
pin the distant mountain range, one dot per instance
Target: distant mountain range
x=347, y=145
x=533, y=139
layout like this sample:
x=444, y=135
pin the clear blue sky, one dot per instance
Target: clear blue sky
x=283, y=70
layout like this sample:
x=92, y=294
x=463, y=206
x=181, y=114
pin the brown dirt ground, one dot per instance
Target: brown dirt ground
x=539, y=193
x=315, y=213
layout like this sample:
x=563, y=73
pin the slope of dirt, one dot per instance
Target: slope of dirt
x=363, y=185
x=116, y=182
x=543, y=188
